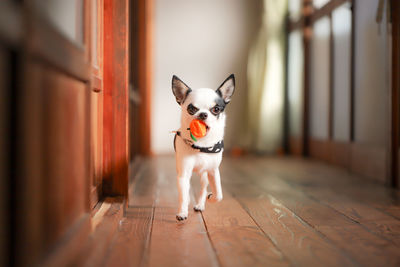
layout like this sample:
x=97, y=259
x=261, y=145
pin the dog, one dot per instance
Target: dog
x=200, y=155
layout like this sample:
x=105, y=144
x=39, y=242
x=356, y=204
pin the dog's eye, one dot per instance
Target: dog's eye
x=192, y=109
x=216, y=110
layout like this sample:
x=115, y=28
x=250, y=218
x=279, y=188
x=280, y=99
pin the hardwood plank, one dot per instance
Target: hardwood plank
x=340, y=181
x=237, y=239
x=130, y=244
x=300, y=243
x=344, y=232
x=372, y=219
x=143, y=187
x=176, y=243
x=94, y=250
x=179, y=243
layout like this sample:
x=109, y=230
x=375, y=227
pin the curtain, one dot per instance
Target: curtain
x=265, y=72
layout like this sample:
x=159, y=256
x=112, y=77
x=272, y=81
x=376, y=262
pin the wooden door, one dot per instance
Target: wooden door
x=95, y=32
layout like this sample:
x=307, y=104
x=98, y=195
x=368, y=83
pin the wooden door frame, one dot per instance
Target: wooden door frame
x=142, y=69
x=96, y=95
x=395, y=95
x=116, y=98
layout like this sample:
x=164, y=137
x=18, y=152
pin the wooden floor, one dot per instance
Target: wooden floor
x=275, y=212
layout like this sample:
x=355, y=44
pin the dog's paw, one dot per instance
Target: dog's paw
x=199, y=207
x=213, y=199
x=181, y=216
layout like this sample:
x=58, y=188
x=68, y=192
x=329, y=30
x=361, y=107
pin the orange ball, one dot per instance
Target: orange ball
x=198, y=128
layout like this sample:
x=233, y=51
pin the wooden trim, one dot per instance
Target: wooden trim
x=295, y=25
x=11, y=24
x=46, y=43
x=395, y=95
x=363, y=159
x=326, y=9
x=145, y=70
x=340, y=153
x=369, y=161
x=116, y=97
x=319, y=149
x=96, y=84
x=295, y=145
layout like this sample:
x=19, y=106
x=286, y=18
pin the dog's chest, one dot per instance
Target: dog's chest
x=204, y=162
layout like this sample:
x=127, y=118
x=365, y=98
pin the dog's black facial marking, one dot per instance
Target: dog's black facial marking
x=192, y=109
x=219, y=107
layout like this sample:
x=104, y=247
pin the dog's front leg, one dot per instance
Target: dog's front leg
x=183, y=181
x=201, y=201
x=215, y=183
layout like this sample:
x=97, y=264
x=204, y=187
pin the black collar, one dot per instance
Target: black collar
x=211, y=149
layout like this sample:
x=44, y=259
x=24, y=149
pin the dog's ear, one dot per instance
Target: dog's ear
x=180, y=89
x=227, y=88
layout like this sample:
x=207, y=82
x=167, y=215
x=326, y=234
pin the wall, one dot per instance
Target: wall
x=371, y=76
x=202, y=42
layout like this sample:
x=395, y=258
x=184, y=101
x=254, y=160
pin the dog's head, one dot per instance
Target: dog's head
x=204, y=104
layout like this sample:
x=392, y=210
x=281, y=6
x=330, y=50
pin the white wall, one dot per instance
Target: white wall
x=202, y=42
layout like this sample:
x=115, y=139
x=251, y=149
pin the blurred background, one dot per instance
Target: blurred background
x=85, y=92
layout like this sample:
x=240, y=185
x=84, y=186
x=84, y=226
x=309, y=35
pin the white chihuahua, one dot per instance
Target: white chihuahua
x=203, y=154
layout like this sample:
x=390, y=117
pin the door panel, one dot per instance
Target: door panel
x=319, y=90
x=341, y=26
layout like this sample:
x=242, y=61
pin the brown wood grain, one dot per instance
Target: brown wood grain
x=237, y=239
x=66, y=161
x=179, y=243
x=176, y=243
x=295, y=145
x=47, y=44
x=145, y=9
x=143, y=185
x=395, y=94
x=275, y=211
x=130, y=243
x=116, y=97
x=297, y=240
x=342, y=195
x=344, y=232
x=95, y=248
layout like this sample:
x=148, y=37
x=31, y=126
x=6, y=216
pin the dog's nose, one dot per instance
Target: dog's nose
x=203, y=116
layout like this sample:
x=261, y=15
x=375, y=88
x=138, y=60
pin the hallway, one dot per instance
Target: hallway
x=88, y=108
x=275, y=212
